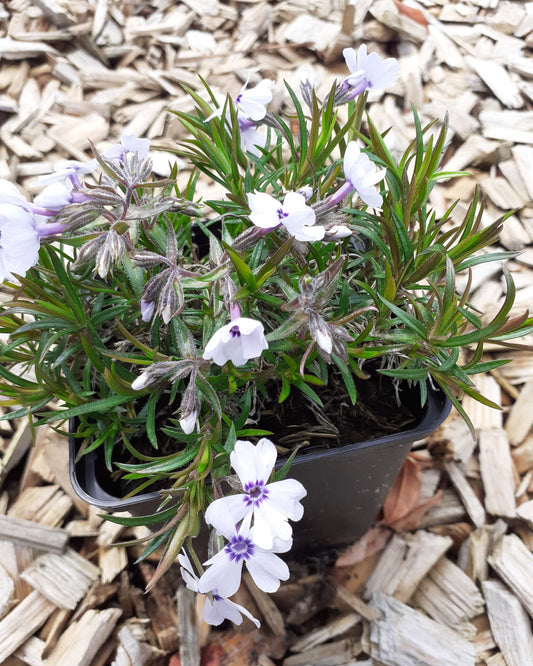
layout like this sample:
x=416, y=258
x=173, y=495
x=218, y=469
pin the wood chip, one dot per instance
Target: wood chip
x=64, y=579
x=450, y=597
x=22, y=622
x=498, y=80
x=266, y=605
x=32, y=534
x=521, y=415
x=331, y=630
x=514, y=563
x=497, y=473
x=405, y=562
x=80, y=643
x=403, y=637
x=330, y=654
x=509, y=624
x=473, y=506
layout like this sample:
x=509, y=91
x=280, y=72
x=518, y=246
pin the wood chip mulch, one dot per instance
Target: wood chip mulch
x=446, y=576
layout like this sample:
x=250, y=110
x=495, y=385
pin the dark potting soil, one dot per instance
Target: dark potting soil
x=381, y=409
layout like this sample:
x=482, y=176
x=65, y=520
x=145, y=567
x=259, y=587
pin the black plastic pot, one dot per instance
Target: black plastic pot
x=346, y=486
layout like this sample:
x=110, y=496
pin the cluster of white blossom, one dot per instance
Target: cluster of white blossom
x=24, y=223
x=255, y=524
x=255, y=521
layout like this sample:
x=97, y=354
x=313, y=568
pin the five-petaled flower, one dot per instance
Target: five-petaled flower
x=266, y=212
x=239, y=341
x=224, y=573
x=129, y=145
x=216, y=608
x=362, y=175
x=20, y=232
x=250, y=102
x=368, y=71
x=270, y=504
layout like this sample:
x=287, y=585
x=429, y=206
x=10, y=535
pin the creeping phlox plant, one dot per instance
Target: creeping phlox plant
x=164, y=324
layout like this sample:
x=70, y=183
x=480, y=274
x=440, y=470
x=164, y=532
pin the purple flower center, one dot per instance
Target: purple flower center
x=255, y=493
x=281, y=214
x=235, y=332
x=239, y=548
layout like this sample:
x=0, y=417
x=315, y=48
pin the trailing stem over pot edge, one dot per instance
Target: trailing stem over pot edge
x=326, y=256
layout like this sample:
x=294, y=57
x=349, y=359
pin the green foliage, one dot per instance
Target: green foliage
x=74, y=330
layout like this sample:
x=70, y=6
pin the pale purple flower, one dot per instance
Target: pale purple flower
x=306, y=191
x=224, y=573
x=68, y=171
x=216, y=608
x=19, y=241
x=362, y=175
x=252, y=139
x=129, y=145
x=251, y=102
x=270, y=504
x=54, y=197
x=369, y=71
x=266, y=212
x=147, y=309
x=239, y=341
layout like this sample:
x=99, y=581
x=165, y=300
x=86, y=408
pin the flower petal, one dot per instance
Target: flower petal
x=224, y=576
x=267, y=570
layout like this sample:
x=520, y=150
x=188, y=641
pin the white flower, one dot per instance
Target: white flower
x=19, y=239
x=250, y=102
x=68, y=171
x=294, y=214
x=338, y=231
x=217, y=608
x=224, y=573
x=188, y=423
x=129, y=145
x=55, y=196
x=369, y=71
x=10, y=194
x=252, y=139
x=270, y=504
x=141, y=381
x=362, y=174
x=239, y=341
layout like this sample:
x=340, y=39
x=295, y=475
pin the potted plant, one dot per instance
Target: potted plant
x=310, y=310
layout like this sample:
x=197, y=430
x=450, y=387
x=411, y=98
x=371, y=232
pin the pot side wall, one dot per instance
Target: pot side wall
x=346, y=486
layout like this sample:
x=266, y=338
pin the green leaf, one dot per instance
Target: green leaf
x=101, y=405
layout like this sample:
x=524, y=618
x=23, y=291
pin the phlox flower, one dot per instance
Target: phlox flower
x=266, y=212
x=188, y=422
x=68, y=171
x=54, y=197
x=216, y=608
x=224, y=573
x=250, y=102
x=19, y=241
x=252, y=139
x=362, y=175
x=129, y=145
x=369, y=71
x=270, y=504
x=239, y=341
x=19, y=233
